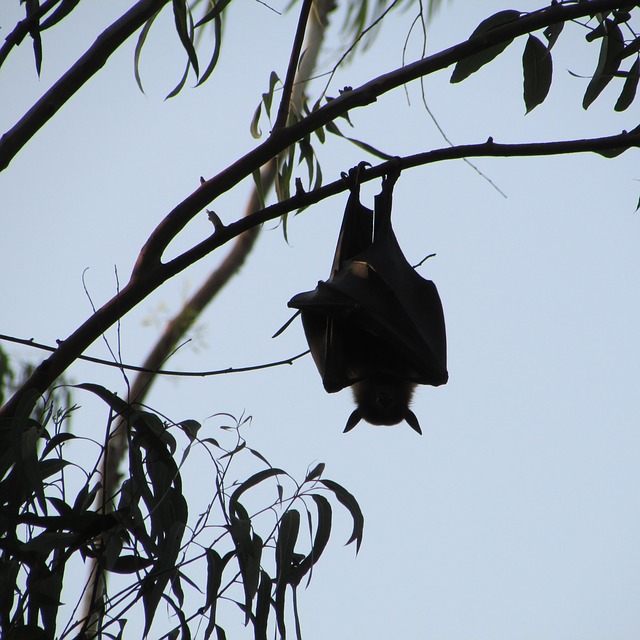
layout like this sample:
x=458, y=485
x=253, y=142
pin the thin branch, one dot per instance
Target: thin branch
x=294, y=59
x=158, y=372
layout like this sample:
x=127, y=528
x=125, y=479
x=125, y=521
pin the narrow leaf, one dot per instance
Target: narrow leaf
x=630, y=87
x=254, y=127
x=263, y=604
x=144, y=32
x=213, y=61
x=537, y=69
x=552, y=32
x=182, y=28
x=215, y=12
x=255, y=479
x=608, y=62
x=351, y=504
x=465, y=67
x=120, y=407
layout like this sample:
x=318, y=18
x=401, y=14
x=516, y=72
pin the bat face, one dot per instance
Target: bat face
x=375, y=325
x=383, y=400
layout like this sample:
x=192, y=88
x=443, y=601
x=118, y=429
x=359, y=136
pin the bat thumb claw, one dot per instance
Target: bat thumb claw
x=412, y=421
x=353, y=420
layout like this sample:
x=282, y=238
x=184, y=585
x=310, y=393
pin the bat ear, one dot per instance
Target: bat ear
x=353, y=420
x=412, y=421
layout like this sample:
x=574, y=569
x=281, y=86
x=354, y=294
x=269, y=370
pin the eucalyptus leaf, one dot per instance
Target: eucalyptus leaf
x=537, y=68
x=465, y=67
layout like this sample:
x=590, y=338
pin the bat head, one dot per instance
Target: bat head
x=383, y=399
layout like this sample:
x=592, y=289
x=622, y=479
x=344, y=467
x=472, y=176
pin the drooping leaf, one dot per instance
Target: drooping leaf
x=321, y=538
x=628, y=93
x=215, y=55
x=465, y=67
x=552, y=32
x=252, y=481
x=263, y=605
x=61, y=11
x=254, y=127
x=144, y=32
x=119, y=406
x=32, y=6
x=215, y=12
x=351, y=504
x=608, y=62
x=331, y=127
x=537, y=69
x=285, y=546
x=182, y=15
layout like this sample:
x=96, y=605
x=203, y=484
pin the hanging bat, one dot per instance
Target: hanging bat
x=375, y=325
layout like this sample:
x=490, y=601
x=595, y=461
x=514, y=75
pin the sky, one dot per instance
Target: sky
x=515, y=516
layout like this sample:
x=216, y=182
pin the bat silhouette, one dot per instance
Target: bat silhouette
x=375, y=325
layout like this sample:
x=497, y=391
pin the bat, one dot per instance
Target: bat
x=375, y=325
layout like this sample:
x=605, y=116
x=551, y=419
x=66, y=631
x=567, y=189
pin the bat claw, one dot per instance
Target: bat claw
x=353, y=420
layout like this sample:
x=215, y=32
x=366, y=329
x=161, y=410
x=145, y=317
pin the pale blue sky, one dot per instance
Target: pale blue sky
x=516, y=515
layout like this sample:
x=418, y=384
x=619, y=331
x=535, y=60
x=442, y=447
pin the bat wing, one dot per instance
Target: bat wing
x=375, y=315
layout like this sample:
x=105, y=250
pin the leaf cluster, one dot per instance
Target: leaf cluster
x=254, y=555
x=605, y=27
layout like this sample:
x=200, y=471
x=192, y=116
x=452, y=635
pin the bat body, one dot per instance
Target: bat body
x=375, y=325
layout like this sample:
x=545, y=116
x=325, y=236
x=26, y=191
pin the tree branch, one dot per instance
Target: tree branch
x=149, y=272
x=144, y=283
x=280, y=139
x=86, y=66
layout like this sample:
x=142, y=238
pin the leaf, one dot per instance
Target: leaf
x=537, y=69
x=629, y=88
x=331, y=127
x=321, y=538
x=608, y=62
x=144, y=32
x=252, y=481
x=552, y=32
x=254, y=128
x=285, y=545
x=351, y=504
x=218, y=8
x=213, y=61
x=465, y=67
x=119, y=406
x=31, y=7
x=316, y=472
x=180, y=14
x=190, y=427
x=263, y=603
x=61, y=11
x=130, y=564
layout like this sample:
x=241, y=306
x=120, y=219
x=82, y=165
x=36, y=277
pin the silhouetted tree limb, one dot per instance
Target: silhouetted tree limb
x=86, y=66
